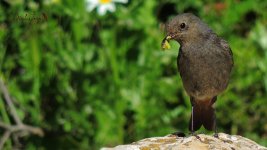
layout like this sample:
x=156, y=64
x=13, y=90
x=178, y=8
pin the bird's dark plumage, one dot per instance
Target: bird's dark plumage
x=204, y=63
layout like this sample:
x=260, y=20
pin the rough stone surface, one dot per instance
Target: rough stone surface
x=199, y=142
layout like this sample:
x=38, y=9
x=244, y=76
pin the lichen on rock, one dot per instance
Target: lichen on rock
x=199, y=142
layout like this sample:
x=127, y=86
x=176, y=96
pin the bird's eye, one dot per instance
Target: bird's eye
x=182, y=25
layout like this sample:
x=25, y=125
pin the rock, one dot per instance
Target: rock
x=199, y=142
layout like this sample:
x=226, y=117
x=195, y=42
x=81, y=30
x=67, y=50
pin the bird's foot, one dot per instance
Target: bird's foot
x=178, y=134
x=216, y=135
x=195, y=135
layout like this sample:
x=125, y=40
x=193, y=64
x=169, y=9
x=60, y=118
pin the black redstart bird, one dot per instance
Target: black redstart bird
x=204, y=62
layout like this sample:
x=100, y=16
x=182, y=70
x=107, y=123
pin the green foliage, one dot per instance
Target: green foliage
x=91, y=81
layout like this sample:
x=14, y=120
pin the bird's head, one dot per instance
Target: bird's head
x=184, y=28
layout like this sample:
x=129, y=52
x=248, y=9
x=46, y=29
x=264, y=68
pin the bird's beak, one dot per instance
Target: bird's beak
x=165, y=42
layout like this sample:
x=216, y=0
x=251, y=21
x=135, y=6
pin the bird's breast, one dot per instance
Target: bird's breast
x=204, y=73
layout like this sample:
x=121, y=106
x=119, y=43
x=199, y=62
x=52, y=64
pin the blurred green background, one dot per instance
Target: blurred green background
x=91, y=80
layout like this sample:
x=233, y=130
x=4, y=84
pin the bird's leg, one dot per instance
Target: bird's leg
x=192, y=124
x=192, y=119
x=192, y=116
x=215, y=127
x=215, y=120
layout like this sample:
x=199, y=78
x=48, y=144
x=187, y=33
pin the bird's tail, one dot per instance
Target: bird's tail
x=203, y=114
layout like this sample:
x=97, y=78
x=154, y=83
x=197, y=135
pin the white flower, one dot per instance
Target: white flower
x=103, y=5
